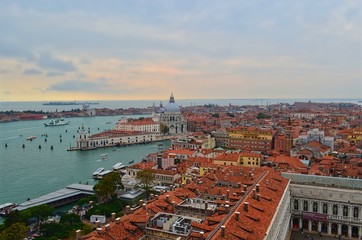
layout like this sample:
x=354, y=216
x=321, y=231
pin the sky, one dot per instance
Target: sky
x=202, y=49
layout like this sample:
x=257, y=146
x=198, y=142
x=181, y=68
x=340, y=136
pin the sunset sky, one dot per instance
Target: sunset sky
x=128, y=50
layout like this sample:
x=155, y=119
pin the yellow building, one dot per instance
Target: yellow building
x=247, y=159
x=356, y=135
x=251, y=138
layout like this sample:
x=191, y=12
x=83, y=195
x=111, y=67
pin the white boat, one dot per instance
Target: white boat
x=6, y=208
x=30, y=138
x=104, y=156
x=98, y=171
x=56, y=122
x=119, y=166
x=102, y=174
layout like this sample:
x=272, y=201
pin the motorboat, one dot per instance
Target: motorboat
x=30, y=138
x=56, y=122
x=98, y=171
x=130, y=162
x=119, y=166
x=104, y=156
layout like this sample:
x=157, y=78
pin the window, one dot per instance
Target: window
x=315, y=207
x=335, y=209
x=305, y=206
x=355, y=212
x=325, y=208
x=345, y=211
x=296, y=204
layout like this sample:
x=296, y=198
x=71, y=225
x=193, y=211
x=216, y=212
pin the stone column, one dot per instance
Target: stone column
x=339, y=229
x=300, y=223
x=329, y=228
x=340, y=210
x=319, y=226
x=349, y=231
x=309, y=225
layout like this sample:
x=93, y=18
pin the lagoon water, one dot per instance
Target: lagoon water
x=31, y=172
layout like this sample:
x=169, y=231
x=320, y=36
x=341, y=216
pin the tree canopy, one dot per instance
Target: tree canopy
x=14, y=232
x=146, y=178
x=105, y=189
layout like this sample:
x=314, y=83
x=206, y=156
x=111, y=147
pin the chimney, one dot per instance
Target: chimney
x=239, y=184
x=246, y=206
x=99, y=230
x=206, y=205
x=162, y=191
x=242, y=193
x=219, y=191
x=167, y=198
x=173, y=206
x=98, y=223
x=223, y=230
x=267, y=182
x=128, y=209
x=156, y=196
x=107, y=227
x=257, y=187
x=237, y=216
x=254, y=194
x=227, y=193
x=249, y=173
x=197, y=191
x=234, y=194
x=77, y=234
x=227, y=207
x=202, y=235
x=206, y=189
x=141, y=202
x=118, y=220
x=113, y=217
x=144, y=205
x=245, y=188
x=152, y=196
x=258, y=196
x=252, y=176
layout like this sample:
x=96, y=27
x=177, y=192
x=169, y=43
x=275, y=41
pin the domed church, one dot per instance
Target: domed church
x=171, y=117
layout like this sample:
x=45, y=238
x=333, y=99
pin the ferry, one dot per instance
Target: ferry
x=30, y=138
x=102, y=174
x=119, y=166
x=104, y=156
x=56, y=122
x=98, y=171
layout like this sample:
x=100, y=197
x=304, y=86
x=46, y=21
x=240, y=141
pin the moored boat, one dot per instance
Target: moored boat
x=98, y=171
x=102, y=174
x=30, y=138
x=104, y=156
x=6, y=208
x=119, y=166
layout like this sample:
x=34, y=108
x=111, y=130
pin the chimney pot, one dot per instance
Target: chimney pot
x=118, y=220
x=223, y=231
x=258, y=197
x=246, y=206
x=167, y=198
x=237, y=216
x=99, y=230
x=128, y=209
x=219, y=191
x=254, y=194
x=202, y=235
x=152, y=196
x=107, y=227
x=245, y=188
x=113, y=216
x=257, y=187
x=98, y=223
x=144, y=205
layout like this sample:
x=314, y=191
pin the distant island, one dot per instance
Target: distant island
x=69, y=103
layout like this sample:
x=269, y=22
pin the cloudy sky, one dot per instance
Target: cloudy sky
x=120, y=50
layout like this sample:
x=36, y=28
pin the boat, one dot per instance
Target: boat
x=118, y=166
x=6, y=208
x=104, y=156
x=56, y=122
x=30, y=138
x=108, y=122
x=98, y=171
x=130, y=162
x=102, y=174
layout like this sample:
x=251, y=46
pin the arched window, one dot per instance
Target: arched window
x=355, y=212
x=315, y=207
x=296, y=204
x=305, y=205
x=335, y=209
x=345, y=211
x=325, y=208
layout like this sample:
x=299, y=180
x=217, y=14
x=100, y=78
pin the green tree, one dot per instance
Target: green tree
x=262, y=116
x=146, y=178
x=215, y=115
x=164, y=129
x=105, y=189
x=16, y=231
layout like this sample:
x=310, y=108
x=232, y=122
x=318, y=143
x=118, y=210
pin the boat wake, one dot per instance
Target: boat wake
x=3, y=139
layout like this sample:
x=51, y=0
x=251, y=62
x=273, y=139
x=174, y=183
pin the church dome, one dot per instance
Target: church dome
x=172, y=106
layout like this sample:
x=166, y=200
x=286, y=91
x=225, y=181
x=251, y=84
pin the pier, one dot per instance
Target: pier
x=60, y=197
